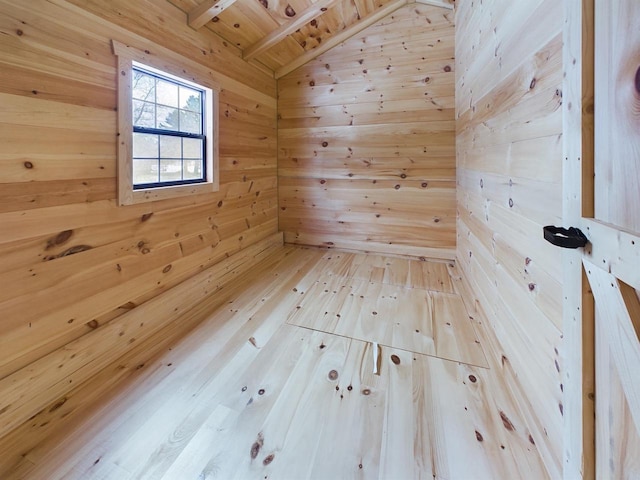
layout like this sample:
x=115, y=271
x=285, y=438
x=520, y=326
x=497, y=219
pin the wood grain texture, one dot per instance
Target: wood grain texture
x=617, y=435
x=617, y=94
x=346, y=34
x=208, y=9
x=438, y=3
x=394, y=302
x=616, y=225
x=402, y=272
x=366, y=140
x=74, y=264
x=512, y=398
x=618, y=310
x=27, y=390
x=239, y=396
x=277, y=35
x=167, y=28
x=578, y=312
x=509, y=170
x=284, y=35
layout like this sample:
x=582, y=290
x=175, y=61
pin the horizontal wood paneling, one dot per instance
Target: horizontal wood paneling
x=26, y=391
x=73, y=262
x=366, y=140
x=509, y=177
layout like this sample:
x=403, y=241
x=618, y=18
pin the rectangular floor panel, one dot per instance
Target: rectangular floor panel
x=417, y=320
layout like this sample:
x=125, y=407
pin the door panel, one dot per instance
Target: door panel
x=612, y=260
x=617, y=323
x=614, y=249
x=616, y=429
x=617, y=113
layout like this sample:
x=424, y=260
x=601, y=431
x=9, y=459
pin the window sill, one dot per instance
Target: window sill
x=132, y=197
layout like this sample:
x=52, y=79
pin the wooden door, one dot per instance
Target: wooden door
x=612, y=263
x=602, y=198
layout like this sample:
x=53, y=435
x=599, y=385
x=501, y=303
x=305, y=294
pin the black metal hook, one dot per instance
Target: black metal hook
x=565, y=237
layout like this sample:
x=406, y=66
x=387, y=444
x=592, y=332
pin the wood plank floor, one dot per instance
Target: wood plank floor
x=248, y=396
x=405, y=304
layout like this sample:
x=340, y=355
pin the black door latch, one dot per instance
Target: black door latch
x=565, y=237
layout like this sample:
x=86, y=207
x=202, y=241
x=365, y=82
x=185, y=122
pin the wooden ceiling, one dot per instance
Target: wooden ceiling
x=285, y=34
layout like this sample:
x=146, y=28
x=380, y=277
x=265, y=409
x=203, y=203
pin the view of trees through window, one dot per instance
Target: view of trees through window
x=168, y=131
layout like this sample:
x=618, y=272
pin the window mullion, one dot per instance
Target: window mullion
x=173, y=133
x=159, y=162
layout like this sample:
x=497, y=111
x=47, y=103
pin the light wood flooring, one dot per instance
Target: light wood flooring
x=279, y=383
x=397, y=303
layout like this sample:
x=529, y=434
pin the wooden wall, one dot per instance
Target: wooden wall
x=366, y=141
x=509, y=174
x=73, y=262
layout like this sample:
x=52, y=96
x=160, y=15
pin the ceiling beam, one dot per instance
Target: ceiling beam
x=344, y=35
x=276, y=36
x=437, y=3
x=208, y=9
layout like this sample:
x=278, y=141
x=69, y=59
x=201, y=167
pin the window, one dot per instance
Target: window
x=169, y=140
x=167, y=136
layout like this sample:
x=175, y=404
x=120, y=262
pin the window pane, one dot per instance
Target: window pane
x=145, y=145
x=170, y=147
x=143, y=114
x=170, y=170
x=169, y=109
x=192, y=148
x=192, y=169
x=145, y=171
x=190, y=122
x=190, y=99
x=167, y=93
x=143, y=86
x=168, y=118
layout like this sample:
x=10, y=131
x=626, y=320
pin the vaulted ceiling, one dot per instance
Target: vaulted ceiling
x=285, y=34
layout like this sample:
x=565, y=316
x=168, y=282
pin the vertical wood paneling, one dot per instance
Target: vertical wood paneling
x=73, y=261
x=366, y=140
x=578, y=312
x=509, y=173
x=615, y=281
x=617, y=81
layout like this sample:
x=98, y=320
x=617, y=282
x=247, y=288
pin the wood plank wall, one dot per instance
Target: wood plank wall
x=73, y=262
x=366, y=141
x=509, y=175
